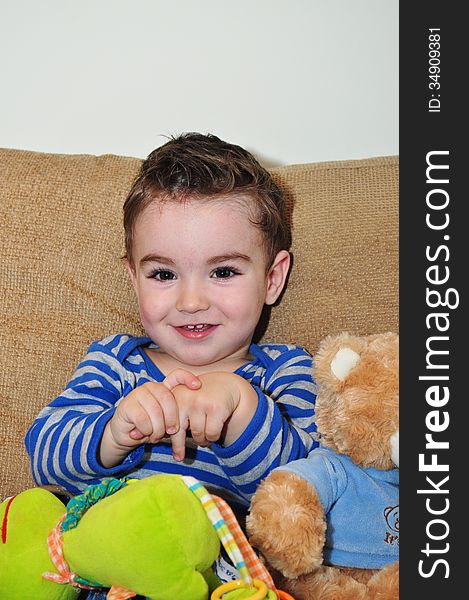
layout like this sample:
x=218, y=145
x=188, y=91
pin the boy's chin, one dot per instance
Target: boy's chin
x=203, y=360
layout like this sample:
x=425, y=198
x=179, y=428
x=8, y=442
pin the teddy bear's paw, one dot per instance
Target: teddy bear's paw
x=384, y=585
x=286, y=523
x=326, y=583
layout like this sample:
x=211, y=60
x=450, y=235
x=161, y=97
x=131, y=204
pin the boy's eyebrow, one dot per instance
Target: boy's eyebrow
x=157, y=258
x=223, y=258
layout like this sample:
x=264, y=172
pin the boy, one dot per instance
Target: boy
x=206, y=248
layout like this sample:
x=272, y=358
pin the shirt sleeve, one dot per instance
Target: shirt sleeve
x=282, y=429
x=324, y=473
x=62, y=442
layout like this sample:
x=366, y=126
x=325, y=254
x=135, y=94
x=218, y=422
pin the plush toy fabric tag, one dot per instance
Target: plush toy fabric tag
x=224, y=570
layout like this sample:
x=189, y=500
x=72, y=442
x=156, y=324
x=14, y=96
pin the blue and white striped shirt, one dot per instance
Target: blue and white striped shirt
x=63, y=441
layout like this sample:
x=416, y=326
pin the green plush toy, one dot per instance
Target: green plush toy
x=151, y=537
x=26, y=521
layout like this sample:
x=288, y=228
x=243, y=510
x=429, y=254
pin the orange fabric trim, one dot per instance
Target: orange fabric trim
x=255, y=567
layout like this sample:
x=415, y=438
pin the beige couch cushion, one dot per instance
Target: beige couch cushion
x=63, y=284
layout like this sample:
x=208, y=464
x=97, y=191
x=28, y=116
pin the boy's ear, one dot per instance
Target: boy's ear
x=277, y=276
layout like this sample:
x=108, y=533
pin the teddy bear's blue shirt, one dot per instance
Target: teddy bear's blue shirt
x=361, y=506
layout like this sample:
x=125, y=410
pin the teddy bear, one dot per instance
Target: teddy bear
x=328, y=524
x=158, y=537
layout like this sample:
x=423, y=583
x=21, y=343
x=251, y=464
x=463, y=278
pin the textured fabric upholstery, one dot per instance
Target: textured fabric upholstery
x=63, y=283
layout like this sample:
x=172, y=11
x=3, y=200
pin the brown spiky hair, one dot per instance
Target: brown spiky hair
x=194, y=166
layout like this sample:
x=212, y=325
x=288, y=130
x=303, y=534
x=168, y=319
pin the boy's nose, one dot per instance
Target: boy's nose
x=192, y=299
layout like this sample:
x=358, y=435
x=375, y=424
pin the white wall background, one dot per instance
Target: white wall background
x=292, y=80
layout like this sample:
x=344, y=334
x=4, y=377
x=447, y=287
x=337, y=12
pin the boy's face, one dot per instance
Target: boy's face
x=200, y=274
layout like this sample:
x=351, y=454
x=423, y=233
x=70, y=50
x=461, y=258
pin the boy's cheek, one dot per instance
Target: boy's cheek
x=147, y=314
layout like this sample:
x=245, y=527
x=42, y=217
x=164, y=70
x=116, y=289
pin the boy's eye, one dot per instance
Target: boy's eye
x=162, y=275
x=225, y=272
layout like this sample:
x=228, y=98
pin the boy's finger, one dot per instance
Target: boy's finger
x=143, y=426
x=213, y=428
x=164, y=403
x=178, y=442
x=135, y=434
x=197, y=426
x=156, y=416
x=182, y=377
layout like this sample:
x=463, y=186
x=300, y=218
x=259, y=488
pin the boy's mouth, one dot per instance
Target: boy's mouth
x=197, y=327
x=196, y=330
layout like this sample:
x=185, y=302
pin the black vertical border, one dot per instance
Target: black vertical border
x=421, y=132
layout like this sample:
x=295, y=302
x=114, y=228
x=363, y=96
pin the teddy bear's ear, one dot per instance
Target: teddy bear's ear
x=343, y=362
x=395, y=448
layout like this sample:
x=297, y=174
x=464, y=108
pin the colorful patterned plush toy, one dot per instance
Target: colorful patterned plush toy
x=157, y=537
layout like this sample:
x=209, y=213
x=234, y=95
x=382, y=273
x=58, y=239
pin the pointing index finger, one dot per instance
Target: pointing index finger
x=178, y=441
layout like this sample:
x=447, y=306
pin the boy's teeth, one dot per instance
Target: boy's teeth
x=191, y=327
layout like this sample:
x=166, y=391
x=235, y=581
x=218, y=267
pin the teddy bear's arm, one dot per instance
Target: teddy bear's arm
x=286, y=523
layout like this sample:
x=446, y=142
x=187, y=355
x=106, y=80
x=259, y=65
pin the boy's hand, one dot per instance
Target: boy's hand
x=146, y=414
x=219, y=410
